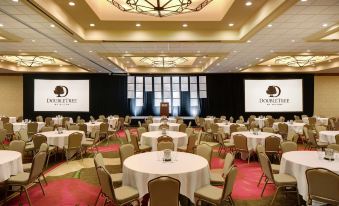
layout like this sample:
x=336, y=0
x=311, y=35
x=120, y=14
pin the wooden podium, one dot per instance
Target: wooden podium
x=164, y=109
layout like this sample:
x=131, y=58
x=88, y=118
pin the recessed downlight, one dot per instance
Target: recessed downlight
x=270, y=25
x=325, y=25
x=71, y=3
x=184, y=25
x=92, y=25
x=230, y=24
x=248, y=3
x=138, y=25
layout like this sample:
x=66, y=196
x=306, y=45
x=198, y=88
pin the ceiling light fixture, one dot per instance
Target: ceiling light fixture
x=248, y=3
x=75, y=41
x=52, y=25
x=1, y=25
x=29, y=61
x=160, y=8
x=185, y=25
x=270, y=25
x=230, y=24
x=325, y=25
x=71, y=3
x=92, y=25
x=299, y=61
x=138, y=25
x=163, y=62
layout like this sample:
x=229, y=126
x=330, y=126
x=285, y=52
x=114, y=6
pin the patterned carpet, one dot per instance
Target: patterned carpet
x=75, y=182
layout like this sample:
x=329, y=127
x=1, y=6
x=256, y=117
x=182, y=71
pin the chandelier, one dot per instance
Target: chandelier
x=299, y=61
x=163, y=62
x=160, y=8
x=29, y=61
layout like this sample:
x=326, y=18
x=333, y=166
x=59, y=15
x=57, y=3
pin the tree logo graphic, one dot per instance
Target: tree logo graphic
x=61, y=91
x=273, y=91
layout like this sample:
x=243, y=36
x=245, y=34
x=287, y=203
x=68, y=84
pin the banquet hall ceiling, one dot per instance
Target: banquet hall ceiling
x=262, y=31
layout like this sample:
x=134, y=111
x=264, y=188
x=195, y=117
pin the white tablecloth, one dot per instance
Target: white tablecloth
x=92, y=127
x=320, y=120
x=10, y=164
x=296, y=126
x=328, y=136
x=209, y=119
x=226, y=127
x=191, y=170
x=155, y=126
x=112, y=121
x=260, y=122
x=253, y=140
x=23, y=126
x=12, y=119
x=151, y=138
x=58, y=120
x=170, y=119
x=60, y=140
x=296, y=163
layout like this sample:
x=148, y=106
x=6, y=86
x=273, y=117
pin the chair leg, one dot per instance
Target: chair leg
x=249, y=157
x=46, y=165
x=296, y=188
x=263, y=189
x=275, y=195
x=231, y=200
x=262, y=175
x=96, y=201
x=43, y=176
x=6, y=191
x=42, y=189
x=105, y=201
x=29, y=200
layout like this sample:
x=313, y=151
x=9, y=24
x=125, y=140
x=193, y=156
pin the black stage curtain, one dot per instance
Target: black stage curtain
x=108, y=95
x=226, y=95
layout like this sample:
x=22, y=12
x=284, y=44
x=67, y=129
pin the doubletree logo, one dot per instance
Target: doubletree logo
x=273, y=91
x=61, y=91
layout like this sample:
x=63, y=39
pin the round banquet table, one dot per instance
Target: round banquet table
x=155, y=126
x=60, y=140
x=58, y=120
x=226, y=127
x=296, y=127
x=297, y=162
x=12, y=119
x=253, y=140
x=191, y=170
x=260, y=122
x=23, y=126
x=10, y=164
x=151, y=138
x=92, y=127
x=112, y=121
x=320, y=120
x=328, y=136
x=158, y=119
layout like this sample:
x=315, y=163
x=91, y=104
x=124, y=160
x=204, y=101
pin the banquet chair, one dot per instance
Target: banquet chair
x=223, y=117
x=49, y=122
x=214, y=130
x=32, y=128
x=337, y=139
x=83, y=127
x=103, y=130
x=240, y=145
x=280, y=180
x=192, y=138
x=74, y=145
x=334, y=147
x=5, y=120
x=10, y=131
x=268, y=129
x=139, y=148
x=296, y=117
x=312, y=122
x=65, y=122
x=319, y=128
x=217, y=175
x=46, y=129
x=38, y=139
x=164, y=191
x=17, y=145
x=205, y=151
x=73, y=127
x=91, y=143
x=216, y=195
x=165, y=145
x=292, y=136
x=99, y=162
x=196, y=120
x=233, y=128
x=336, y=125
x=272, y=146
x=19, y=119
x=314, y=143
x=165, y=139
x=242, y=129
x=231, y=119
x=127, y=121
x=125, y=151
x=331, y=124
x=282, y=119
x=3, y=134
x=189, y=131
x=25, y=179
x=201, y=122
x=283, y=130
x=275, y=167
x=28, y=166
x=164, y=126
x=102, y=117
x=288, y=146
x=182, y=127
x=1, y=125
x=123, y=195
x=140, y=131
x=205, y=138
x=323, y=186
x=223, y=144
x=253, y=125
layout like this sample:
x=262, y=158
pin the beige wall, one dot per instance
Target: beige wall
x=11, y=95
x=326, y=96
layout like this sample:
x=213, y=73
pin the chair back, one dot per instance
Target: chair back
x=165, y=139
x=228, y=162
x=268, y=129
x=5, y=120
x=32, y=128
x=260, y=148
x=337, y=139
x=312, y=121
x=266, y=166
x=205, y=151
x=125, y=151
x=38, y=139
x=44, y=147
x=18, y=145
x=19, y=119
x=283, y=128
x=140, y=131
x=99, y=160
x=102, y=117
x=82, y=127
x=9, y=128
x=199, y=137
x=73, y=127
x=241, y=129
x=49, y=121
x=336, y=125
x=189, y=131
x=106, y=183
x=312, y=138
x=240, y=142
x=296, y=117
x=231, y=119
x=38, y=164
x=253, y=125
x=164, y=191
x=320, y=128
x=229, y=182
x=128, y=135
x=46, y=129
x=323, y=185
x=165, y=145
x=334, y=147
x=272, y=144
x=134, y=142
x=164, y=126
x=74, y=140
x=104, y=127
x=182, y=127
x=3, y=133
x=191, y=143
x=214, y=128
x=233, y=128
x=288, y=146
